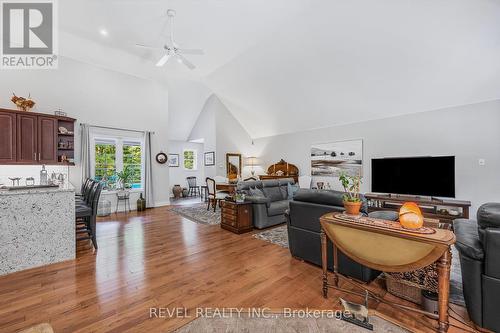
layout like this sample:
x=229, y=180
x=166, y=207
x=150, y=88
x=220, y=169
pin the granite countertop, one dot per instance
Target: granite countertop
x=65, y=187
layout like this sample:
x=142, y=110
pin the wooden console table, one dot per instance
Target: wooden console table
x=388, y=250
x=430, y=207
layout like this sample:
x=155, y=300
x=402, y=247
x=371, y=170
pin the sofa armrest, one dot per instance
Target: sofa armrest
x=492, y=252
x=468, y=242
x=259, y=200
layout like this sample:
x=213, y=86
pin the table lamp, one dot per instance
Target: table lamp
x=252, y=162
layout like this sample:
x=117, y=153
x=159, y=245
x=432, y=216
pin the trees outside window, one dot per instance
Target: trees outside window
x=190, y=161
x=114, y=155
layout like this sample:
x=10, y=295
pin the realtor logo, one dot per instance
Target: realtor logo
x=28, y=34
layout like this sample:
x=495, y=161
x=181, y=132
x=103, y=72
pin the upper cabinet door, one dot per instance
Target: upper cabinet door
x=47, y=140
x=27, y=138
x=8, y=137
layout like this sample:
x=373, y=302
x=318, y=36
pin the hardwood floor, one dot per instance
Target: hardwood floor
x=159, y=259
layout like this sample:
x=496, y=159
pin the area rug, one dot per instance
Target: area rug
x=41, y=328
x=279, y=236
x=198, y=213
x=278, y=323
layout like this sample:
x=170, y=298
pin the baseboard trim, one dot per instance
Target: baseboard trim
x=162, y=203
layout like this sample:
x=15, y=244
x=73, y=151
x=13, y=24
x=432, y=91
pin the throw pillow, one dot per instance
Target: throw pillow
x=291, y=190
x=273, y=193
x=255, y=192
x=284, y=192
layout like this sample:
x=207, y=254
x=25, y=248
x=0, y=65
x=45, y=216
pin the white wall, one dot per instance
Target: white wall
x=185, y=103
x=178, y=175
x=205, y=129
x=222, y=133
x=231, y=138
x=99, y=97
x=469, y=132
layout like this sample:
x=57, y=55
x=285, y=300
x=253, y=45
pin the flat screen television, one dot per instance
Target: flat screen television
x=422, y=176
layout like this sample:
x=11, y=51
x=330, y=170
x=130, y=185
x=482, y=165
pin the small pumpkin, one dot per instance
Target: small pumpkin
x=410, y=216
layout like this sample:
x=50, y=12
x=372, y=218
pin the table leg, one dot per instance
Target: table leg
x=324, y=262
x=443, y=265
x=335, y=266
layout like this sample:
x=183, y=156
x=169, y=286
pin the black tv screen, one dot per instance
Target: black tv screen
x=424, y=176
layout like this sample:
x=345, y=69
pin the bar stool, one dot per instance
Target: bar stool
x=86, y=214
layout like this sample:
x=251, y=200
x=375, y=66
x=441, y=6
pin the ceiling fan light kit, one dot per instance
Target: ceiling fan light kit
x=172, y=49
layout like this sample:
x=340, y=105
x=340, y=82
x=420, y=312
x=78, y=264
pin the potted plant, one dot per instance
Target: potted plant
x=352, y=199
x=125, y=177
x=239, y=197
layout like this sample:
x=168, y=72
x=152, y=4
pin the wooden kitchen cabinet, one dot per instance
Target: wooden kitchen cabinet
x=27, y=139
x=34, y=138
x=47, y=140
x=8, y=138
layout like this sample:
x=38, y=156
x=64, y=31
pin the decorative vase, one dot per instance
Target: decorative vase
x=410, y=216
x=141, y=204
x=177, y=191
x=185, y=192
x=352, y=208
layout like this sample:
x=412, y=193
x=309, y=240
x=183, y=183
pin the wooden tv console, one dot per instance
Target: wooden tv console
x=431, y=208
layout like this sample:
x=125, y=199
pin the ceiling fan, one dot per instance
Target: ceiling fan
x=172, y=49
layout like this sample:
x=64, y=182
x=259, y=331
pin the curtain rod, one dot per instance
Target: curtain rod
x=116, y=128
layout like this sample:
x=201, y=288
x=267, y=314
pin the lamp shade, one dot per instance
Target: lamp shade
x=410, y=216
x=252, y=161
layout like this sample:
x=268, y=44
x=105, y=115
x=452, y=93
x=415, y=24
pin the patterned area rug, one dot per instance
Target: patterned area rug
x=279, y=236
x=198, y=213
x=278, y=323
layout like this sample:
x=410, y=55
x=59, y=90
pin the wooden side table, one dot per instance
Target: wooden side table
x=236, y=217
x=382, y=247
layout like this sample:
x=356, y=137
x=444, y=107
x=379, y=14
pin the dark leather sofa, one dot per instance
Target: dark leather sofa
x=304, y=231
x=269, y=210
x=478, y=244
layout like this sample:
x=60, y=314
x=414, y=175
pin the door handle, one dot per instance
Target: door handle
x=39, y=157
x=34, y=156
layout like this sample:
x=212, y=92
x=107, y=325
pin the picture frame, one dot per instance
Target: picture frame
x=334, y=158
x=173, y=160
x=209, y=158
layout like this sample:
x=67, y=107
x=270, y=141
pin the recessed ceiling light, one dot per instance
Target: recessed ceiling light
x=179, y=60
x=104, y=32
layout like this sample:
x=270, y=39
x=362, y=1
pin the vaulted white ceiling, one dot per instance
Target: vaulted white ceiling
x=289, y=65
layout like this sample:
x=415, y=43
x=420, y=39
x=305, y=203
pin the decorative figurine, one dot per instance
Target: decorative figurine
x=357, y=313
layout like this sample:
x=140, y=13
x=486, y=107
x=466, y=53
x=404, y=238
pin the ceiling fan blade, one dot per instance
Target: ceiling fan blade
x=163, y=60
x=191, y=51
x=185, y=61
x=148, y=47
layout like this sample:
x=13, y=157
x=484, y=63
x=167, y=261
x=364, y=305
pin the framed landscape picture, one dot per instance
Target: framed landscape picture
x=173, y=160
x=332, y=159
x=210, y=158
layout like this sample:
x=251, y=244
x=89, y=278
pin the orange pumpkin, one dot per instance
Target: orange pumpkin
x=410, y=216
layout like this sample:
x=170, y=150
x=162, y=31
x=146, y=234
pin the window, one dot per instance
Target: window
x=132, y=159
x=190, y=161
x=118, y=155
x=105, y=162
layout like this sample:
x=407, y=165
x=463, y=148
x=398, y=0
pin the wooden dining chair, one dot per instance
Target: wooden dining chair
x=214, y=197
x=194, y=189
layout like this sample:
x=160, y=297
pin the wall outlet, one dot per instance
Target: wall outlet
x=482, y=162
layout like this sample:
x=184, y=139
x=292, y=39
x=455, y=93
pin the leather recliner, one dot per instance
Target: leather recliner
x=478, y=244
x=304, y=230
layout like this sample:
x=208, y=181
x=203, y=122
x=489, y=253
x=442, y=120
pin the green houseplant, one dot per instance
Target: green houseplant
x=125, y=177
x=352, y=199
